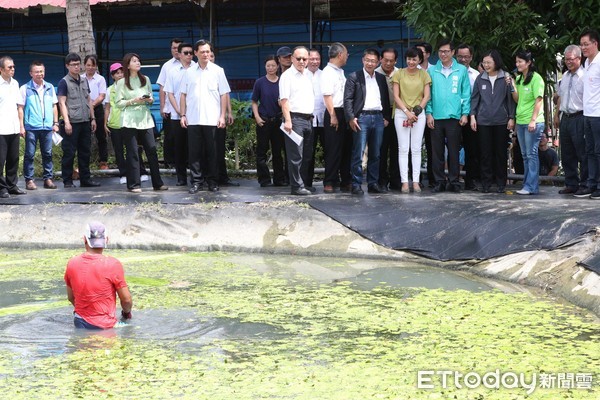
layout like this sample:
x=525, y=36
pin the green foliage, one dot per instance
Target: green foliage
x=243, y=132
x=544, y=27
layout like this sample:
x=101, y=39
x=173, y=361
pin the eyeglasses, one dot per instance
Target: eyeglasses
x=10, y=67
x=587, y=44
x=301, y=59
x=371, y=61
x=571, y=59
x=74, y=65
x=187, y=53
x=444, y=51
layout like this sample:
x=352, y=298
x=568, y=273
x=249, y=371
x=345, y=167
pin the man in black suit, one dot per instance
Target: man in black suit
x=368, y=112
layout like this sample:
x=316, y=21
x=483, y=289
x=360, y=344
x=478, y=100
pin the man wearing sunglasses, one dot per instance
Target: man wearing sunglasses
x=297, y=105
x=173, y=94
x=9, y=129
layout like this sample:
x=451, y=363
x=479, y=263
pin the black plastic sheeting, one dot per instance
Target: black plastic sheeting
x=592, y=263
x=450, y=226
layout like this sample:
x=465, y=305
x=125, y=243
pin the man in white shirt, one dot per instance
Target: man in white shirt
x=591, y=108
x=570, y=106
x=165, y=106
x=368, y=112
x=203, y=105
x=297, y=106
x=389, y=170
x=464, y=55
x=9, y=129
x=314, y=62
x=337, y=137
x=172, y=91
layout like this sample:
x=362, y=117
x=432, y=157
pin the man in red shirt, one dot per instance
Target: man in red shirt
x=93, y=281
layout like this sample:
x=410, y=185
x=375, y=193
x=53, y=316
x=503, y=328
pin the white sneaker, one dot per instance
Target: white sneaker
x=123, y=180
x=523, y=192
x=144, y=178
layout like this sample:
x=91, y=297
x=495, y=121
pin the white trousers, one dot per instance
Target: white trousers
x=409, y=138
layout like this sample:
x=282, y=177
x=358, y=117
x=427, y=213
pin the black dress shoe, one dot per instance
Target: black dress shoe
x=229, y=182
x=439, y=187
x=454, y=187
x=16, y=191
x=69, y=185
x=90, y=184
x=280, y=184
x=213, y=188
x=375, y=188
x=266, y=184
x=181, y=183
x=568, y=190
x=312, y=189
x=485, y=189
x=501, y=189
x=4, y=195
x=301, y=192
x=194, y=189
x=357, y=190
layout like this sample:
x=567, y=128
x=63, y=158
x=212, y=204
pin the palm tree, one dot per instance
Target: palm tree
x=79, y=27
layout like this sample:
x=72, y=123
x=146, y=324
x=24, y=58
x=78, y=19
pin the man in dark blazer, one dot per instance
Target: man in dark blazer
x=368, y=111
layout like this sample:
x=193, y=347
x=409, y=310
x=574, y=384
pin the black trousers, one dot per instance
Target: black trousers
x=447, y=133
x=493, y=146
x=101, y=134
x=145, y=138
x=338, y=150
x=79, y=141
x=116, y=137
x=429, y=152
x=168, y=141
x=9, y=162
x=202, y=154
x=180, y=135
x=472, y=155
x=269, y=135
x=389, y=170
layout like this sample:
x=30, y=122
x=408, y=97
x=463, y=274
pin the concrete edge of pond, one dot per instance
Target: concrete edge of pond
x=284, y=227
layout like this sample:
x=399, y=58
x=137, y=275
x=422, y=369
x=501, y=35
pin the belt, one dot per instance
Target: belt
x=270, y=118
x=371, y=112
x=301, y=115
x=573, y=115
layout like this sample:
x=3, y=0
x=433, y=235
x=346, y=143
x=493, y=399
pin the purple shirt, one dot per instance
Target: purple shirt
x=266, y=94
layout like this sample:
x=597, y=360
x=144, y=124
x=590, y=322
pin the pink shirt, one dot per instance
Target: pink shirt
x=94, y=279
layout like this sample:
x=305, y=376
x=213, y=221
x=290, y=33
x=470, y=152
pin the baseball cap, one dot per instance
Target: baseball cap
x=114, y=67
x=284, y=51
x=95, y=234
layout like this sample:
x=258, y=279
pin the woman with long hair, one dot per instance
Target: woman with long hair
x=267, y=114
x=412, y=90
x=134, y=95
x=529, y=96
x=492, y=117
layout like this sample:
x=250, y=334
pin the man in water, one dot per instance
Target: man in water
x=93, y=281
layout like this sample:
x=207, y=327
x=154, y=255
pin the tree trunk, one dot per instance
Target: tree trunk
x=79, y=27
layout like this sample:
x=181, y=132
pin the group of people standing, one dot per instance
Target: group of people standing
x=296, y=104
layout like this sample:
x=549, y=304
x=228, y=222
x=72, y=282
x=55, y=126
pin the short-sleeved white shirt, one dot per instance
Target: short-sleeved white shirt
x=97, y=85
x=297, y=88
x=162, y=76
x=9, y=98
x=319, y=110
x=333, y=82
x=591, y=88
x=203, y=89
x=173, y=85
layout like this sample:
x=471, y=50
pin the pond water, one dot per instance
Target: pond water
x=233, y=326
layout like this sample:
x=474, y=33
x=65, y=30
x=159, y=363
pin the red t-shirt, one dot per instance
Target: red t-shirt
x=94, y=279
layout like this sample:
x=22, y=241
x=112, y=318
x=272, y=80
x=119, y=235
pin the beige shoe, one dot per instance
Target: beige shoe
x=405, y=188
x=416, y=188
x=135, y=190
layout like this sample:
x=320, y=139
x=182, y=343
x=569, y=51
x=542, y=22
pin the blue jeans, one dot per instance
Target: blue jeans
x=591, y=128
x=81, y=323
x=529, y=142
x=371, y=131
x=31, y=139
